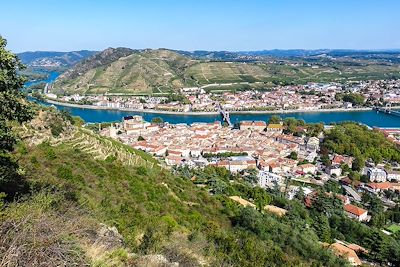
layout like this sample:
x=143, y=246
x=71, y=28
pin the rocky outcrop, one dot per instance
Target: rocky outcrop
x=100, y=59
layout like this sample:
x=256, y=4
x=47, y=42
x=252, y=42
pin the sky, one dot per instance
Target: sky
x=232, y=25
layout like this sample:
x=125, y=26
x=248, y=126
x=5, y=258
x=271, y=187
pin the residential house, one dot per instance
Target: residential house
x=275, y=128
x=334, y=170
x=307, y=168
x=253, y=125
x=376, y=175
x=340, y=159
x=174, y=160
x=313, y=144
x=355, y=212
x=393, y=175
x=266, y=178
x=378, y=187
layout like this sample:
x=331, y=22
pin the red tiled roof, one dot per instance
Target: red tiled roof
x=259, y=123
x=383, y=186
x=354, y=209
x=346, y=252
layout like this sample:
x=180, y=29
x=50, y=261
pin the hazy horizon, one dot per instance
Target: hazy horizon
x=200, y=25
x=231, y=51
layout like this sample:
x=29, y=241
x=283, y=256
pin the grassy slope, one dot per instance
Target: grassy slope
x=135, y=200
x=154, y=210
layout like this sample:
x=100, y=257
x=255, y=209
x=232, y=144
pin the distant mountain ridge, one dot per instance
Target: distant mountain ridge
x=53, y=59
x=285, y=53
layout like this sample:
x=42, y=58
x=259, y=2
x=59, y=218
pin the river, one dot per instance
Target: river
x=370, y=117
x=51, y=78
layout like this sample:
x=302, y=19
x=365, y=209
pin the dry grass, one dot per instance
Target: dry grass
x=34, y=234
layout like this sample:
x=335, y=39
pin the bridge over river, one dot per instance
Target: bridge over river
x=388, y=110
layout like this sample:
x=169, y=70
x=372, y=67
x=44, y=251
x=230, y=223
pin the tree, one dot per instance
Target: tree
x=322, y=228
x=378, y=220
x=358, y=163
x=314, y=129
x=300, y=195
x=157, y=120
x=293, y=155
x=14, y=108
x=274, y=119
x=251, y=176
x=332, y=186
x=355, y=176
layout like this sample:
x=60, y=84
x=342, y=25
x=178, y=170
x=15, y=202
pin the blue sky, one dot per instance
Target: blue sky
x=65, y=25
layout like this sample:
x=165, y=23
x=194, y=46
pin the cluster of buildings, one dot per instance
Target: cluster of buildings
x=380, y=90
x=312, y=96
x=256, y=145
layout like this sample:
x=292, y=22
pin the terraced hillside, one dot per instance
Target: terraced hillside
x=225, y=72
x=130, y=72
x=127, y=71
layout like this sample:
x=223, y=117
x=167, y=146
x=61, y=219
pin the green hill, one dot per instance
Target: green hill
x=125, y=71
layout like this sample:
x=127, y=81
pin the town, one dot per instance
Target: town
x=271, y=158
x=312, y=96
x=257, y=145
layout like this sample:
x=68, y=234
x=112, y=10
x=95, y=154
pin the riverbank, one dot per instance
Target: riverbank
x=96, y=115
x=207, y=113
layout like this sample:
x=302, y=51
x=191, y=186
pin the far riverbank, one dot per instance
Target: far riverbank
x=207, y=113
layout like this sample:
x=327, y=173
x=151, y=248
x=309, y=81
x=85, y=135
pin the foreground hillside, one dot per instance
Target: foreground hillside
x=89, y=200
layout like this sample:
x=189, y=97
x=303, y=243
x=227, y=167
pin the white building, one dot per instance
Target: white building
x=355, y=212
x=307, y=168
x=376, y=175
x=266, y=178
x=313, y=144
x=334, y=169
x=50, y=95
x=347, y=105
x=393, y=175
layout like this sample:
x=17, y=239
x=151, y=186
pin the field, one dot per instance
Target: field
x=394, y=228
x=225, y=72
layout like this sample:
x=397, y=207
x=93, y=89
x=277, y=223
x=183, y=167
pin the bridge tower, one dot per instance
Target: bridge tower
x=388, y=106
